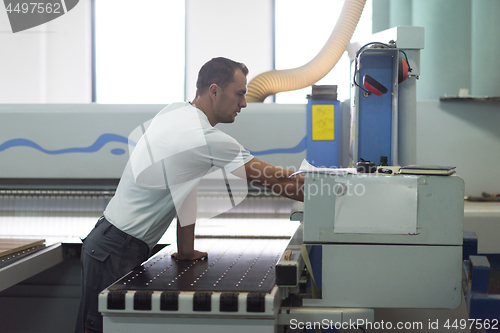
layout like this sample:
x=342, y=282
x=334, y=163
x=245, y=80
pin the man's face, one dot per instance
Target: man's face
x=231, y=100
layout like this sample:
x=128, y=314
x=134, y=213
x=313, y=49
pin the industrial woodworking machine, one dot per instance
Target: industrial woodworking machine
x=359, y=241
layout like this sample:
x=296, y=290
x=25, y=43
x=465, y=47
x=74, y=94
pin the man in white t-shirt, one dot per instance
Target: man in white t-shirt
x=179, y=147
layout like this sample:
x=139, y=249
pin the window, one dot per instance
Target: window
x=139, y=51
x=302, y=29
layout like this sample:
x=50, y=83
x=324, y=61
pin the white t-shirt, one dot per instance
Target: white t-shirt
x=178, y=148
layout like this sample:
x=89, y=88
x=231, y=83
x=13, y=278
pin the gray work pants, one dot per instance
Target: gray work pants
x=107, y=255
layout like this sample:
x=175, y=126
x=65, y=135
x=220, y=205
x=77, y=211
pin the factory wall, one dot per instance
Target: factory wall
x=460, y=51
x=51, y=63
x=48, y=64
x=244, y=35
x=464, y=134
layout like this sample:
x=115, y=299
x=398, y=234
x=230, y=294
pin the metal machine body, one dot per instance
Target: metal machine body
x=233, y=287
x=241, y=285
x=409, y=257
x=386, y=125
x=90, y=143
x=396, y=244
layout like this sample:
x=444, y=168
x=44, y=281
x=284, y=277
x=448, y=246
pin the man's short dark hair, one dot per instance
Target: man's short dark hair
x=219, y=71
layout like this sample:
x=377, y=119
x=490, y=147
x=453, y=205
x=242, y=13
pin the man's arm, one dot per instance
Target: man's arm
x=276, y=179
x=257, y=172
x=185, y=244
x=186, y=218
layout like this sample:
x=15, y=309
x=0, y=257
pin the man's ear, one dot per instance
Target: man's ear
x=212, y=90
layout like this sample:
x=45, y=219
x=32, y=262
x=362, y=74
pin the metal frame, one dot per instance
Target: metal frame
x=30, y=266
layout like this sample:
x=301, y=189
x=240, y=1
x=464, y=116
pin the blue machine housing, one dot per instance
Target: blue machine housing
x=375, y=112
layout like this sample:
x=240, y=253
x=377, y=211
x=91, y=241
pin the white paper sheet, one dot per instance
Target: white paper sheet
x=306, y=167
x=374, y=205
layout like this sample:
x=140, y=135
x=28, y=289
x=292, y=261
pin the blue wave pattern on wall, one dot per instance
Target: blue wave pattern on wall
x=109, y=137
x=96, y=146
x=301, y=146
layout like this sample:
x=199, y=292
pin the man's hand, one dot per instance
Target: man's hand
x=274, y=178
x=195, y=255
x=185, y=244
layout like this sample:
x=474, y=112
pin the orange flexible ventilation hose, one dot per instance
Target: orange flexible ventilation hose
x=275, y=81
